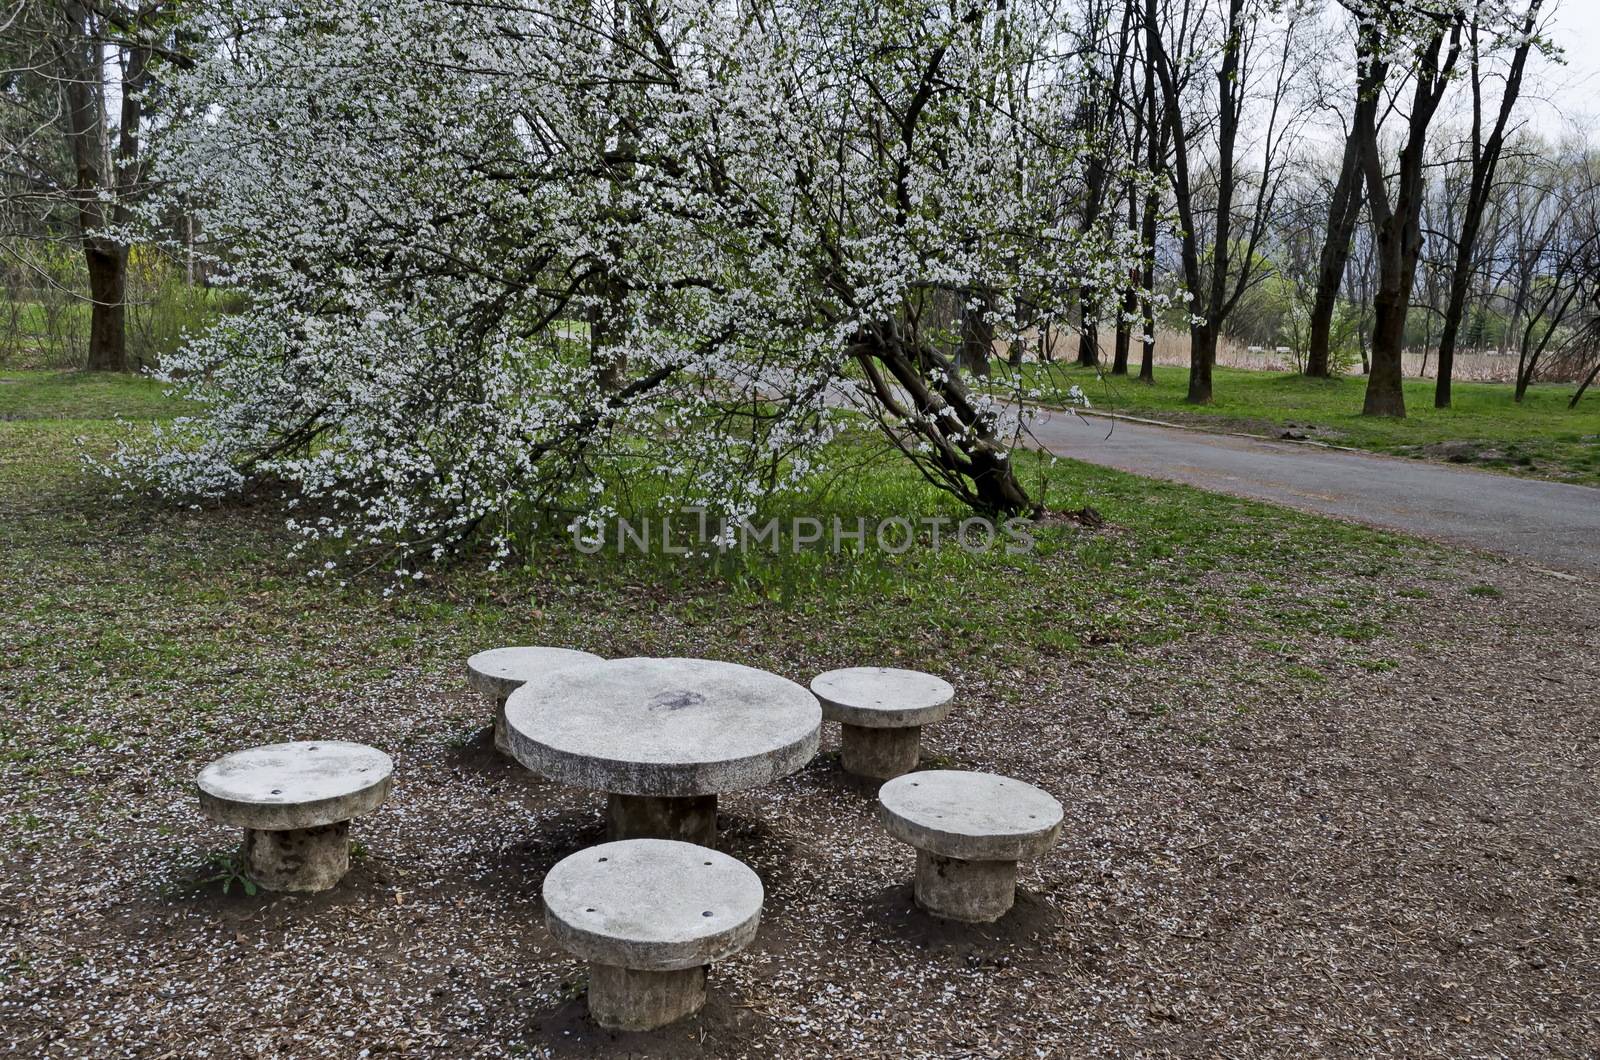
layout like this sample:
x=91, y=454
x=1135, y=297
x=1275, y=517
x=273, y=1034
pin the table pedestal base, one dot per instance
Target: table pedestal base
x=692, y=819
x=298, y=859
x=975, y=891
x=502, y=742
x=881, y=754
x=626, y=999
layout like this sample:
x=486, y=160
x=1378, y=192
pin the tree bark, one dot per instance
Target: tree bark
x=1088, y=332
x=108, y=271
x=1104, y=98
x=977, y=334
x=1202, y=358
x=1397, y=220
x=1155, y=155
x=1119, y=358
x=1385, y=392
x=1130, y=300
x=107, y=174
x=1577, y=395
x=1147, y=355
x=1344, y=210
x=964, y=453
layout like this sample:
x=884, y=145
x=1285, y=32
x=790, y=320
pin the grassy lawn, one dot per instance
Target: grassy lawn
x=1484, y=427
x=87, y=396
x=1172, y=562
x=1226, y=695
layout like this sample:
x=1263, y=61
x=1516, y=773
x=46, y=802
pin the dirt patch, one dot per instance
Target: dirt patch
x=1399, y=860
x=1366, y=830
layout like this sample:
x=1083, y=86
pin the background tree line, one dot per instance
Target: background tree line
x=1347, y=178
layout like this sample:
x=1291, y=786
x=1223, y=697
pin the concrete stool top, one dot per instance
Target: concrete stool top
x=284, y=786
x=663, y=727
x=970, y=816
x=501, y=671
x=652, y=904
x=882, y=697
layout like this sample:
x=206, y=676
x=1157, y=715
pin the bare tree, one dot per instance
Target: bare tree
x=1157, y=141
x=1485, y=158
x=79, y=71
x=1219, y=277
x=1105, y=57
x=1346, y=197
x=1433, y=36
x=1559, y=263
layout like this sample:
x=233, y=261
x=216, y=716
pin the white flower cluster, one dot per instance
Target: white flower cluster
x=498, y=257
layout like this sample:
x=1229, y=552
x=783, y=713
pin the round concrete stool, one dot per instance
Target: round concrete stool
x=663, y=737
x=649, y=915
x=295, y=802
x=970, y=830
x=881, y=712
x=499, y=672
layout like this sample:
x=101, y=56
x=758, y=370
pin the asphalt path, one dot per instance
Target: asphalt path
x=1552, y=524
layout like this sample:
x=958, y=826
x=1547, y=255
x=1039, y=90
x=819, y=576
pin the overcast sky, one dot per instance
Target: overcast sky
x=1572, y=92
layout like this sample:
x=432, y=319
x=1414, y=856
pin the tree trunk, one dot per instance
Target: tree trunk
x=977, y=334
x=1210, y=300
x=1484, y=163
x=1130, y=305
x=1587, y=380
x=1147, y=355
x=1155, y=153
x=1397, y=221
x=964, y=454
x=108, y=270
x=1130, y=295
x=1344, y=210
x=1385, y=394
x=1088, y=335
x=1454, y=309
x=1202, y=357
x=108, y=173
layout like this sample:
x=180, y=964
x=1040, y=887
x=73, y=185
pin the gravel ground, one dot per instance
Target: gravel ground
x=1327, y=794
x=1391, y=862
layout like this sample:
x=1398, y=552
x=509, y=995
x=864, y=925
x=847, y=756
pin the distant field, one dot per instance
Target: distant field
x=1172, y=350
x=1540, y=436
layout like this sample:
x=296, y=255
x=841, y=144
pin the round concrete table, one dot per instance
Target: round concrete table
x=649, y=915
x=969, y=831
x=881, y=711
x=663, y=737
x=295, y=802
x=499, y=672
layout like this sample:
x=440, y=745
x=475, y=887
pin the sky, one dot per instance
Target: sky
x=1569, y=94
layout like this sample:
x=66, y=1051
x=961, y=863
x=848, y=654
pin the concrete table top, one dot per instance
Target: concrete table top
x=501, y=671
x=285, y=786
x=652, y=904
x=663, y=727
x=882, y=697
x=970, y=816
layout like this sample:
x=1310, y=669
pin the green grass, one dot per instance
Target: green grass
x=1484, y=426
x=135, y=625
x=81, y=396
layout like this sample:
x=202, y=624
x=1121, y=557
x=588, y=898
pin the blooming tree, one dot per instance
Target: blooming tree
x=496, y=255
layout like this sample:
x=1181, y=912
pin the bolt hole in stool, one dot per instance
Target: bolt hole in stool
x=969, y=831
x=881, y=711
x=499, y=672
x=295, y=802
x=649, y=915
